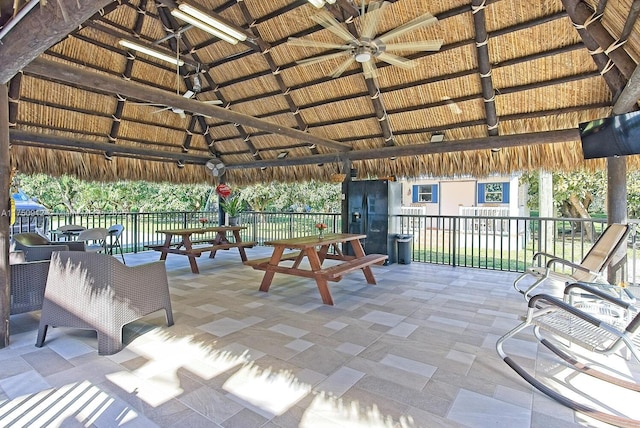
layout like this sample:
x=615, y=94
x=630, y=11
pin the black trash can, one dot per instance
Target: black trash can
x=404, y=248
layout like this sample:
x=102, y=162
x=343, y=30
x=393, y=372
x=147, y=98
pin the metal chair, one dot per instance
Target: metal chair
x=114, y=240
x=561, y=327
x=590, y=269
x=97, y=292
x=94, y=239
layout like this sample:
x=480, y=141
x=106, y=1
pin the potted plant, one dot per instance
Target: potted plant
x=232, y=205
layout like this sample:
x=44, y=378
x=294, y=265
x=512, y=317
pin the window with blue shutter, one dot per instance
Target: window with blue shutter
x=425, y=193
x=493, y=193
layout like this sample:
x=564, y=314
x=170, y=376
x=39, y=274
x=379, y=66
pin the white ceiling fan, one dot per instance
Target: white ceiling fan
x=369, y=46
x=216, y=166
x=179, y=111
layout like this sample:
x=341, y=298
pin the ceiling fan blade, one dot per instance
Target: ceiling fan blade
x=426, y=45
x=329, y=22
x=317, y=59
x=336, y=72
x=294, y=41
x=370, y=70
x=143, y=104
x=421, y=21
x=396, y=60
x=371, y=18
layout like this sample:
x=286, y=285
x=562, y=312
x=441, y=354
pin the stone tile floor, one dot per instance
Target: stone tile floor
x=416, y=350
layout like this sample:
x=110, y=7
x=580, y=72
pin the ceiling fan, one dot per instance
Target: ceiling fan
x=369, y=46
x=179, y=111
x=216, y=166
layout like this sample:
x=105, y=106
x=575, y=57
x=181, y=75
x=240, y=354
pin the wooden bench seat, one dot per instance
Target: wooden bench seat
x=265, y=260
x=333, y=273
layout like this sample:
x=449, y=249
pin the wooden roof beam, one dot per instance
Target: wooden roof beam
x=90, y=80
x=40, y=29
x=25, y=138
x=584, y=20
x=265, y=49
x=484, y=143
x=484, y=66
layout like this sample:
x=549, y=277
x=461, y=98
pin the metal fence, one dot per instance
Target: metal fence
x=486, y=242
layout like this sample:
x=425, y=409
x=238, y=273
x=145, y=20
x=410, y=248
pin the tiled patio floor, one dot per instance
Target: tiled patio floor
x=416, y=350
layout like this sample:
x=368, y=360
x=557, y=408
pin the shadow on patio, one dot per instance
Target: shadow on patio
x=416, y=350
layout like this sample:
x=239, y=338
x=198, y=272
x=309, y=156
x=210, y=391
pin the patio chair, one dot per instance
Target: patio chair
x=114, y=240
x=572, y=334
x=27, y=280
x=37, y=247
x=97, y=292
x=590, y=269
x=94, y=239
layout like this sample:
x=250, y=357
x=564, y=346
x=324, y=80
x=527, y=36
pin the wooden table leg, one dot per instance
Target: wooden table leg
x=356, y=245
x=192, y=259
x=166, y=245
x=322, y=283
x=268, y=275
x=243, y=254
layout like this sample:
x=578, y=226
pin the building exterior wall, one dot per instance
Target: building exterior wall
x=446, y=194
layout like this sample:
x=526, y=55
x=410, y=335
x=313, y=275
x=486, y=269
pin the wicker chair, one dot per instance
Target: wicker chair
x=27, y=280
x=95, y=291
x=37, y=247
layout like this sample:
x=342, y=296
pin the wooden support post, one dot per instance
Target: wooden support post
x=5, y=214
x=617, y=212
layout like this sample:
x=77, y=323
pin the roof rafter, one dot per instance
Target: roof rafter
x=38, y=32
x=89, y=79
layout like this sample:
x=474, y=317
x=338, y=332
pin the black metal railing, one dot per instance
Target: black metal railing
x=486, y=242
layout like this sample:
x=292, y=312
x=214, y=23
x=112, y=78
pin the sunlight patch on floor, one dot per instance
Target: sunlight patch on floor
x=329, y=411
x=271, y=392
x=83, y=402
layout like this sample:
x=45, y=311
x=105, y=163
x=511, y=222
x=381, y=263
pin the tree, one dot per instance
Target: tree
x=68, y=194
x=576, y=194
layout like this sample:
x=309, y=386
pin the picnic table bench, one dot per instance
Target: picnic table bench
x=194, y=248
x=316, y=250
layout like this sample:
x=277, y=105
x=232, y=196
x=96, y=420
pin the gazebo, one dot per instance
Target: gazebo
x=292, y=90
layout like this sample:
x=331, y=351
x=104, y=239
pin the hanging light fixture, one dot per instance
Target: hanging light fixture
x=320, y=3
x=151, y=52
x=204, y=26
x=210, y=21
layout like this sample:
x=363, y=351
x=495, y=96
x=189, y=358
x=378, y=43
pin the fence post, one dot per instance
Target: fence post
x=453, y=240
x=136, y=227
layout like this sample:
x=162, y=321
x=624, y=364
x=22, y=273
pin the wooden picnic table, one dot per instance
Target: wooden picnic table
x=192, y=248
x=316, y=250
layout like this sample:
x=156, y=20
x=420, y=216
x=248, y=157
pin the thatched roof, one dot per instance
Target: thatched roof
x=513, y=75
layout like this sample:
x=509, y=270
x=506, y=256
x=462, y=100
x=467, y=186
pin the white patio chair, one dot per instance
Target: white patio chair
x=94, y=239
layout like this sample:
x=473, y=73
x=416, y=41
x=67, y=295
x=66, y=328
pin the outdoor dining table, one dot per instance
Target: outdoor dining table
x=191, y=248
x=68, y=233
x=317, y=249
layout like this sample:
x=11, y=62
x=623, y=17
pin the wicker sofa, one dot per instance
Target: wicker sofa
x=95, y=291
x=37, y=247
x=28, y=280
